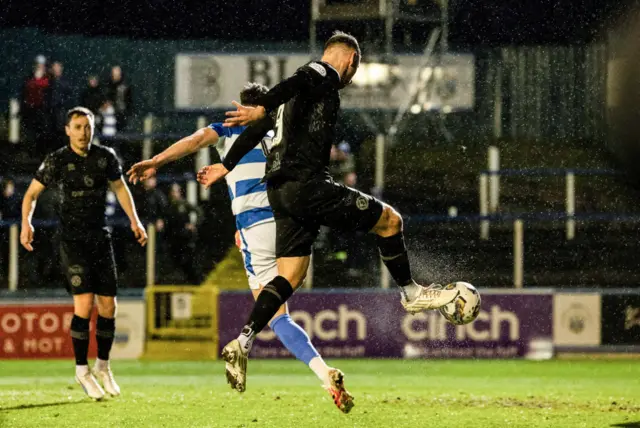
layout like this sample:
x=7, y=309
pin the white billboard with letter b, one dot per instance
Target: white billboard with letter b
x=214, y=80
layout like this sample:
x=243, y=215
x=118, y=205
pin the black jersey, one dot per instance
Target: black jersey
x=83, y=182
x=305, y=127
x=304, y=113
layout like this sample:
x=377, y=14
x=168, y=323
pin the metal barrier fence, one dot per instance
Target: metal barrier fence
x=489, y=188
x=518, y=221
x=181, y=311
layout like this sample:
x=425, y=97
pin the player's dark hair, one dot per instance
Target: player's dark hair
x=342, y=38
x=79, y=111
x=251, y=93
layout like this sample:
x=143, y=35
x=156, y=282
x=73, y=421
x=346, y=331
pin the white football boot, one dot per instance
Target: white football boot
x=236, y=365
x=431, y=297
x=90, y=385
x=105, y=376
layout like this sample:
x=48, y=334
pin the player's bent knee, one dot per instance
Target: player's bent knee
x=395, y=222
x=107, y=306
x=390, y=223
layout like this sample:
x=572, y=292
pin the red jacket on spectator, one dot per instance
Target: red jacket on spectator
x=35, y=91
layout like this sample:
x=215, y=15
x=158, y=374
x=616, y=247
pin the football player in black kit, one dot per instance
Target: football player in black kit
x=83, y=172
x=302, y=110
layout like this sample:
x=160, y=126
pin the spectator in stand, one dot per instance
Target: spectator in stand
x=152, y=209
x=34, y=108
x=181, y=233
x=153, y=205
x=119, y=93
x=92, y=96
x=120, y=234
x=342, y=165
x=59, y=102
x=346, y=247
x=10, y=204
x=108, y=121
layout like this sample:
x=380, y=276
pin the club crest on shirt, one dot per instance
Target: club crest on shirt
x=362, y=203
x=71, y=167
x=76, y=281
x=88, y=181
x=102, y=163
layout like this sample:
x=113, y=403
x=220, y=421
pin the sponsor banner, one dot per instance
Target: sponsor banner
x=34, y=330
x=214, y=80
x=130, y=330
x=374, y=324
x=621, y=319
x=38, y=331
x=576, y=319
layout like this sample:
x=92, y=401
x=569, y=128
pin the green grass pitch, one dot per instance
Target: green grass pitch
x=284, y=393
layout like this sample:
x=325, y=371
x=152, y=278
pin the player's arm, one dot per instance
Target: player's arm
x=44, y=177
x=247, y=140
x=121, y=190
x=28, y=207
x=305, y=78
x=188, y=145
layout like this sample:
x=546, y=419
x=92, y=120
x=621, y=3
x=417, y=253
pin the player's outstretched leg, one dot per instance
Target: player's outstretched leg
x=415, y=298
x=80, y=339
x=105, y=332
x=296, y=340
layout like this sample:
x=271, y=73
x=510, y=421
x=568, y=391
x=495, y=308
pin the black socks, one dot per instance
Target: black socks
x=80, y=339
x=272, y=296
x=394, y=255
x=105, y=333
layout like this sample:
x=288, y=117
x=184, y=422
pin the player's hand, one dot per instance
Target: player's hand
x=26, y=236
x=244, y=115
x=238, y=241
x=142, y=171
x=139, y=233
x=211, y=174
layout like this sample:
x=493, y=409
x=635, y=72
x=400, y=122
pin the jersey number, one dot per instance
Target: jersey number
x=278, y=128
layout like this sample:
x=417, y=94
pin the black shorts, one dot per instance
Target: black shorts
x=89, y=266
x=300, y=208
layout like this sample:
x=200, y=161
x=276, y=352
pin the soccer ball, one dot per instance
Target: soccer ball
x=464, y=308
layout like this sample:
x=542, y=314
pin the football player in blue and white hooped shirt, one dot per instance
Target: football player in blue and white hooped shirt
x=254, y=221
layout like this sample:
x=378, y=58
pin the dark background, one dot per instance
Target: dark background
x=486, y=22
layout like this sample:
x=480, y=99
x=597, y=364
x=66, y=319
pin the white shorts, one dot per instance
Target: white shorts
x=258, y=248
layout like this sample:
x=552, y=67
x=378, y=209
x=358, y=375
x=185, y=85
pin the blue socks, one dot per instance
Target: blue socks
x=294, y=338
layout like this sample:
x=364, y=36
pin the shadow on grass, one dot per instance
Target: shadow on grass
x=627, y=425
x=41, y=405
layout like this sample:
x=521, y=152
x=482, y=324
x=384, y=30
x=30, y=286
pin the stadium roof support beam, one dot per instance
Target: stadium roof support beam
x=392, y=12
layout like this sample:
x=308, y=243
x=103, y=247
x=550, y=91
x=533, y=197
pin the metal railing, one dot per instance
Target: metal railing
x=489, y=188
x=518, y=222
x=14, y=246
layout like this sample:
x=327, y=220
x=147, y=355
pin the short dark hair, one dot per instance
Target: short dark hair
x=79, y=111
x=342, y=38
x=251, y=93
